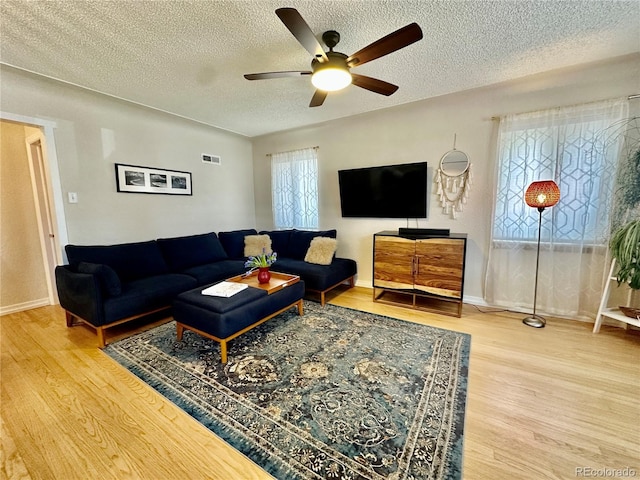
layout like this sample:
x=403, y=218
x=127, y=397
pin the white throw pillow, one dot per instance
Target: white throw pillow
x=321, y=250
x=257, y=245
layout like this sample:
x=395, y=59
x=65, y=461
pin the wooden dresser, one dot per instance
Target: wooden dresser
x=420, y=271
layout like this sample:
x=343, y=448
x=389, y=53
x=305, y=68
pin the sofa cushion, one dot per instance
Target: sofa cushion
x=233, y=241
x=186, y=252
x=321, y=250
x=301, y=240
x=213, y=304
x=109, y=279
x=146, y=294
x=279, y=241
x=257, y=245
x=216, y=271
x=130, y=260
x=318, y=277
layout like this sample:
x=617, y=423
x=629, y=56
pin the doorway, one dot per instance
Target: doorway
x=33, y=220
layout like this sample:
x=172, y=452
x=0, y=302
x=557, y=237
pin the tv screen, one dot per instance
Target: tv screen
x=390, y=191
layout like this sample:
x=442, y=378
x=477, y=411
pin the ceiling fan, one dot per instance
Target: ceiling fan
x=330, y=71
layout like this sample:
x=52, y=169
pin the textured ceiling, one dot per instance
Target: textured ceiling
x=188, y=57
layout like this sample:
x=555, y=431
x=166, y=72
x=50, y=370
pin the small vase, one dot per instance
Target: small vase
x=264, y=275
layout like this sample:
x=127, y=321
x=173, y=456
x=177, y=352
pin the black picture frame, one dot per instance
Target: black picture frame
x=138, y=179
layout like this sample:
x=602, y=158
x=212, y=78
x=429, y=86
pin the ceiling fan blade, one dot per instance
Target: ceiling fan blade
x=299, y=28
x=373, y=84
x=267, y=75
x=389, y=44
x=318, y=98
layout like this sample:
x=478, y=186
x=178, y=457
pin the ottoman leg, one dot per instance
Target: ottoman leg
x=300, y=308
x=223, y=351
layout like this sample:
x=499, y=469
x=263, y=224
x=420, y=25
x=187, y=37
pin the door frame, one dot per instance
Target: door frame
x=45, y=215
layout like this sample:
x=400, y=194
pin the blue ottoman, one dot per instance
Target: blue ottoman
x=223, y=319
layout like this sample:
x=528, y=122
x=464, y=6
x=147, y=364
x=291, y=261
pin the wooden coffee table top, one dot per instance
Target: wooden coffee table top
x=278, y=281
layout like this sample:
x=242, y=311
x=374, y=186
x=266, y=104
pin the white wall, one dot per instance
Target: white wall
x=424, y=131
x=93, y=132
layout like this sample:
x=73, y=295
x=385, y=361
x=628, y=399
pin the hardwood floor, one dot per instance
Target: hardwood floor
x=542, y=403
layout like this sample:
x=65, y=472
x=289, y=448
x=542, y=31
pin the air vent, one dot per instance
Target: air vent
x=212, y=159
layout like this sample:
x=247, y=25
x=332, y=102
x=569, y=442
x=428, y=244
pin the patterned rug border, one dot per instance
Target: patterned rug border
x=198, y=391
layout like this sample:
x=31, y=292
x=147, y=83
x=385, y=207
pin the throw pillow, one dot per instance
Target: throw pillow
x=321, y=250
x=108, y=277
x=256, y=245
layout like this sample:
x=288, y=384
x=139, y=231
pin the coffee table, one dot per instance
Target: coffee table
x=224, y=318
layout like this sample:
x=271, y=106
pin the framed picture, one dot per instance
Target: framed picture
x=134, y=179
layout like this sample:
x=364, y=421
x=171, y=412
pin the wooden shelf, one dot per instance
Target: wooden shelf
x=616, y=314
x=418, y=300
x=612, y=312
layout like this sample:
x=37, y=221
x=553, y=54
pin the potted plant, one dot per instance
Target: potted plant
x=625, y=248
x=262, y=263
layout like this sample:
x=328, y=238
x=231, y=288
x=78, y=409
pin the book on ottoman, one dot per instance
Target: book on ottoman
x=224, y=289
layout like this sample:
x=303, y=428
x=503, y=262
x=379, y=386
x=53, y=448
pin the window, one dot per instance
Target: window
x=564, y=145
x=294, y=184
x=570, y=146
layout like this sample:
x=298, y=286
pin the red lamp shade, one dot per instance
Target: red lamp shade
x=542, y=194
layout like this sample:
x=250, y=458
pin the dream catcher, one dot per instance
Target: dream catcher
x=453, y=180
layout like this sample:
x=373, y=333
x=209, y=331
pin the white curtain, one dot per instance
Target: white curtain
x=294, y=187
x=564, y=145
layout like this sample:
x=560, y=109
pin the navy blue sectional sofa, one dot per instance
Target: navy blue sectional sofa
x=106, y=285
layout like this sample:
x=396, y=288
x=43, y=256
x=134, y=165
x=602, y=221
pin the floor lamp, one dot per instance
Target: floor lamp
x=540, y=195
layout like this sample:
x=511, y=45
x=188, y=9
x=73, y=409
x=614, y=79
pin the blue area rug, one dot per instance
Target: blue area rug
x=334, y=394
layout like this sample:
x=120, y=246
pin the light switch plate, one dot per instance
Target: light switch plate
x=73, y=197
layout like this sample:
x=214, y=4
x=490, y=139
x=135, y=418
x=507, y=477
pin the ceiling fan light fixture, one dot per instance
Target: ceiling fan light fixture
x=330, y=70
x=331, y=79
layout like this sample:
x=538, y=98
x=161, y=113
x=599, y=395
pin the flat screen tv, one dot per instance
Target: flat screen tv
x=390, y=191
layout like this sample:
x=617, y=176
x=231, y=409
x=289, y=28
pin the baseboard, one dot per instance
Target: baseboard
x=21, y=307
x=361, y=283
x=479, y=301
